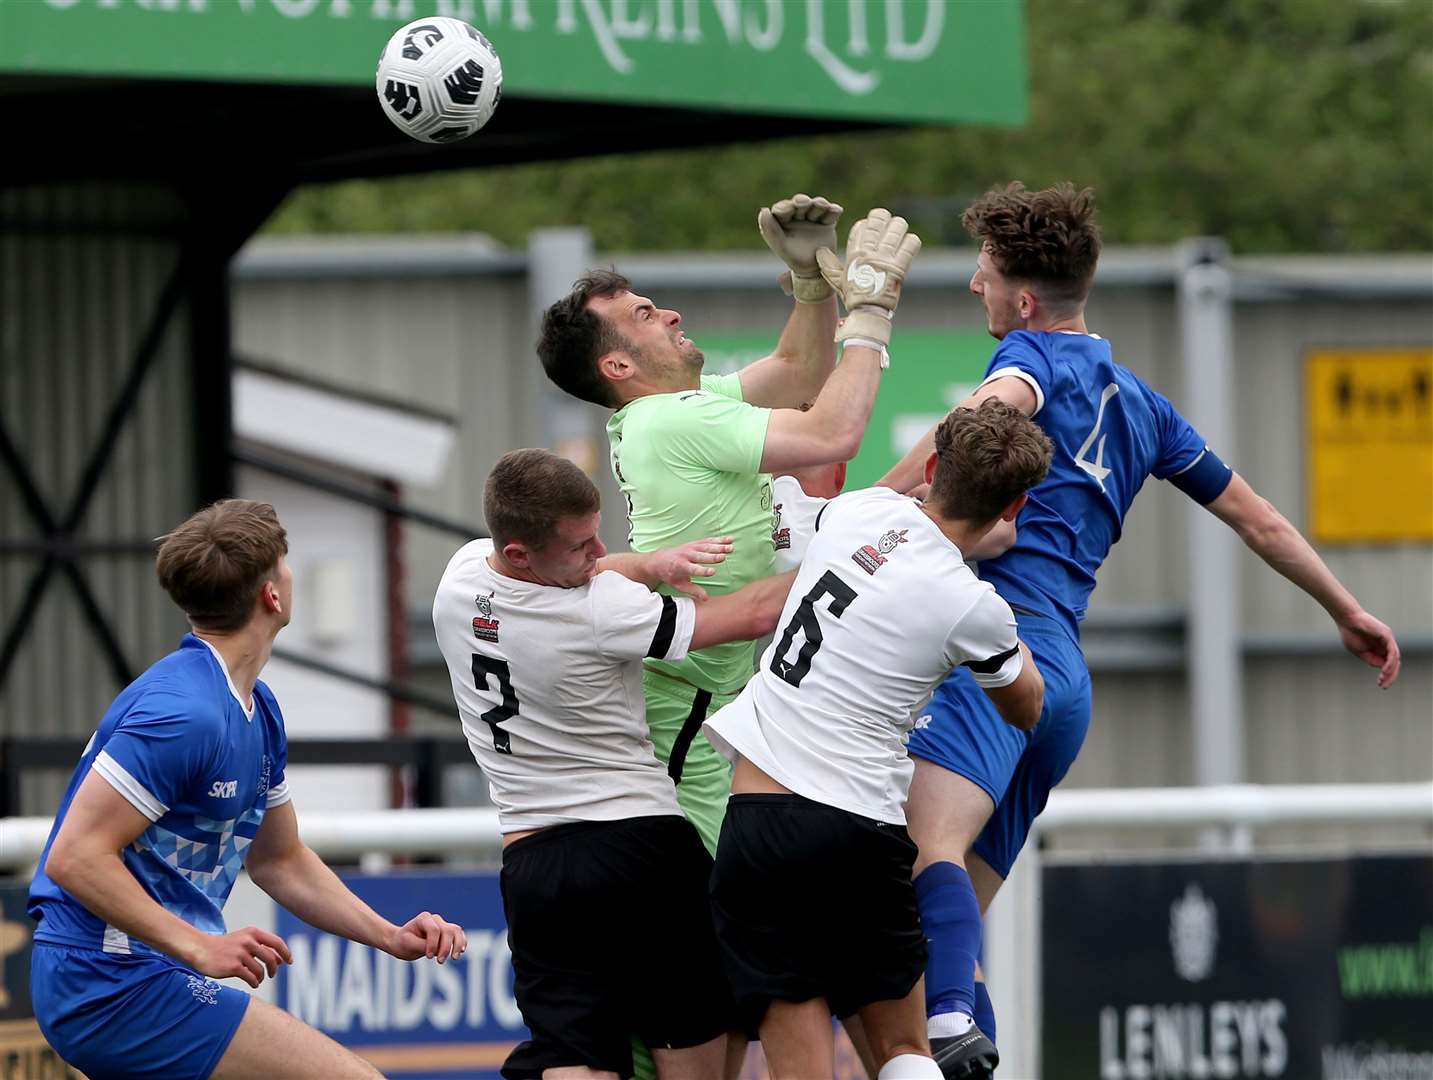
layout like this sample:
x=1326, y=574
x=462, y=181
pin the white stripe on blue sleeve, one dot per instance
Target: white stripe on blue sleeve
x=135, y=793
x=1023, y=376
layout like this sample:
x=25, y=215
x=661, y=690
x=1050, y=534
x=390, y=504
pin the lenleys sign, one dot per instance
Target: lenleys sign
x=915, y=61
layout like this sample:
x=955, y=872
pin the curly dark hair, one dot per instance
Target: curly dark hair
x=986, y=458
x=573, y=336
x=1048, y=238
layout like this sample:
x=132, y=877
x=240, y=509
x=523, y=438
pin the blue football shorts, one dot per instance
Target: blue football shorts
x=1017, y=769
x=140, y=1016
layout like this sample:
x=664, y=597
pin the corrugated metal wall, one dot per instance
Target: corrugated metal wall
x=460, y=345
x=453, y=341
x=81, y=271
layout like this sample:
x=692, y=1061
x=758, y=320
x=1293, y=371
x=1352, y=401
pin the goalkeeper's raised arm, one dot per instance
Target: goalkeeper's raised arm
x=796, y=370
x=879, y=253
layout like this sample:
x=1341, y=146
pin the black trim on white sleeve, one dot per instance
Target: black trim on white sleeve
x=816, y=525
x=994, y=664
x=666, y=627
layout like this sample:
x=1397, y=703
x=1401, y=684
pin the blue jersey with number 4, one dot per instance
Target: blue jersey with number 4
x=1110, y=431
x=183, y=749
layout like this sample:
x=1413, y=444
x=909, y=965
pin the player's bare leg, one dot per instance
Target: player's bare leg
x=895, y=1031
x=944, y=814
x=272, y=1045
x=578, y=1072
x=986, y=881
x=736, y=1044
x=704, y=1062
x=856, y=1032
x=796, y=1038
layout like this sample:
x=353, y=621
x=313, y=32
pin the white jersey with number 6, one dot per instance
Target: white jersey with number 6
x=549, y=688
x=882, y=610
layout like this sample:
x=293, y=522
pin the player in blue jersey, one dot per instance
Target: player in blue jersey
x=979, y=783
x=181, y=786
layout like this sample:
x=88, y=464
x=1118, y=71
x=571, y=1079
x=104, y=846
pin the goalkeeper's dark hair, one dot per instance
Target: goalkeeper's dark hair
x=1048, y=238
x=986, y=458
x=573, y=337
x=529, y=491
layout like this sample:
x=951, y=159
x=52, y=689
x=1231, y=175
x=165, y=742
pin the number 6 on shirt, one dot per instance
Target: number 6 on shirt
x=805, y=620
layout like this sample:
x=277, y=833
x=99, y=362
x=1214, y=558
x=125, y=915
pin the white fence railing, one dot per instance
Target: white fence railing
x=475, y=831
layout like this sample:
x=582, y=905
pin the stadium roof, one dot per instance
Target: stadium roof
x=187, y=89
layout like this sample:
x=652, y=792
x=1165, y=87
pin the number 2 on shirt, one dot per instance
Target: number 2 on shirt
x=483, y=666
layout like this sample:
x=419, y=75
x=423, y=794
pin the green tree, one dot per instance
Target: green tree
x=1282, y=125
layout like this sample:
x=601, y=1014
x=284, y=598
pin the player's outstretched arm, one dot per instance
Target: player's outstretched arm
x=1274, y=539
x=286, y=868
x=749, y=613
x=675, y=567
x=879, y=253
x=85, y=861
x=792, y=376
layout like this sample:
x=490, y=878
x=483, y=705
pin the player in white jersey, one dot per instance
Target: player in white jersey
x=812, y=891
x=545, y=648
x=796, y=498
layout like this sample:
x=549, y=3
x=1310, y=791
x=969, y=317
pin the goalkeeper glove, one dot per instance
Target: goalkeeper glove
x=794, y=229
x=879, y=252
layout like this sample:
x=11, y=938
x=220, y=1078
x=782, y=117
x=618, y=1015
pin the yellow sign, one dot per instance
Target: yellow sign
x=1369, y=423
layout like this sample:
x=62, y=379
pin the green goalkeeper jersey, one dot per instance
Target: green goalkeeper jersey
x=689, y=465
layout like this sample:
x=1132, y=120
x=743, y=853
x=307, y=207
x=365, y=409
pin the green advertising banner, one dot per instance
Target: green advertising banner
x=931, y=371
x=916, y=61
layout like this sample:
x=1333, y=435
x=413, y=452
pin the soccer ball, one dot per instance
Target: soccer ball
x=439, y=79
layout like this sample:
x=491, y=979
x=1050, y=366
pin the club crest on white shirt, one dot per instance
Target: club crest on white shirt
x=871, y=558
x=485, y=627
x=780, y=538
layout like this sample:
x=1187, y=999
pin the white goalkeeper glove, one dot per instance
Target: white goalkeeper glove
x=794, y=229
x=879, y=252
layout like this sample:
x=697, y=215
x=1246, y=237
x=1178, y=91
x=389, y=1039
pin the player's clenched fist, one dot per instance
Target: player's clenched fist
x=794, y=229
x=879, y=252
x=247, y=954
x=427, y=935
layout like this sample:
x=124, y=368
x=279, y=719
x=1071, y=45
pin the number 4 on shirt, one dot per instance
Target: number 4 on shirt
x=1097, y=468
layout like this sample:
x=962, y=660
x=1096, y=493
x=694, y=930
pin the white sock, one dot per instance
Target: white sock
x=909, y=1067
x=948, y=1025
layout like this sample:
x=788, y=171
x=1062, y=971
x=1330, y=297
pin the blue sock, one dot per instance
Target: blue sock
x=950, y=915
x=984, y=1012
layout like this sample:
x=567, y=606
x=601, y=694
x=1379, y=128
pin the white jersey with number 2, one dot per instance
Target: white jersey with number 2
x=549, y=688
x=883, y=608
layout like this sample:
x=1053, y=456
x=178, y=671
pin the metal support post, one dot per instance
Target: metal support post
x=1216, y=688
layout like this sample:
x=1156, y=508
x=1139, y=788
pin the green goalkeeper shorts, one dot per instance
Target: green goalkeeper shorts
x=675, y=711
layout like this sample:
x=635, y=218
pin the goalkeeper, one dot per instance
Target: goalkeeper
x=693, y=453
